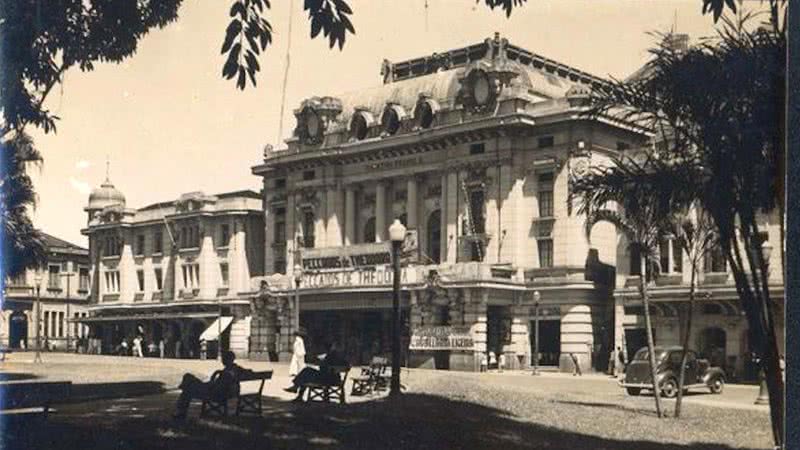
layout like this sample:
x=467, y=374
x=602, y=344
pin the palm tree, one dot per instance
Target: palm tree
x=22, y=245
x=614, y=194
x=694, y=231
x=726, y=134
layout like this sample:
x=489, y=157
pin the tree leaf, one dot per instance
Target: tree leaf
x=230, y=34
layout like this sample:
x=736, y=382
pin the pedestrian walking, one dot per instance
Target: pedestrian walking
x=298, y=361
x=137, y=347
x=484, y=362
x=576, y=366
x=492, y=360
x=621, y=361
x=612, y=366
x=501, y=362
x=161, y=348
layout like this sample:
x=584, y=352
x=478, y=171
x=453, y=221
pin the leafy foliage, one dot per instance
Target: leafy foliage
x=22, y=245
x=717, y=113
x=507, y=5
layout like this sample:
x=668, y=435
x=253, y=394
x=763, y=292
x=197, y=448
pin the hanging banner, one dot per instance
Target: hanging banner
x=441, y=338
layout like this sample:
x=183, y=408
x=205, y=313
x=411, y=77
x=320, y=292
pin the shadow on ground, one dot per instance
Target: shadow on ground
x=414, y=421
x=13, y=376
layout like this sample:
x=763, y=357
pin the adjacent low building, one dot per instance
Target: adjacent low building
x=174, y=271
x=63, y=292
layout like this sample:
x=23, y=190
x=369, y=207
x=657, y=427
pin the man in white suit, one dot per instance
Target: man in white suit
x=298, y=362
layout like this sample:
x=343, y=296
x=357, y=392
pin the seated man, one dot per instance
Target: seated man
x=324, y=375
x=223, y=383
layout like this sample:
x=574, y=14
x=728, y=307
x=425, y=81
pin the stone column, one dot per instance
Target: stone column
x=520, y=335
x=209, y=270
x=576, y=337
x=411, y=202
x=443, y=217
x=333, y=230
x=127, y=271
x=452, y=218
x=350, y=216
x=291, y=239
x=380, y=211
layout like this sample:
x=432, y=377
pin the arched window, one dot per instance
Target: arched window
x=308, y=228
x=434, y=235
x=369, y=230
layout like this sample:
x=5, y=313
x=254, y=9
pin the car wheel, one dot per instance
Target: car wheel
x=633, y=391
x=716, y=385
x=669, y=388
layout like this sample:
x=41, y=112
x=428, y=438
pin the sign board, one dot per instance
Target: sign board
x=349, y=257
x=359, y=277
x=441, y=338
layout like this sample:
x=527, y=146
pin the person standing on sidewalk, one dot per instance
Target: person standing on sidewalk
x=621, y=361
x=576, y=365
x=298, y=362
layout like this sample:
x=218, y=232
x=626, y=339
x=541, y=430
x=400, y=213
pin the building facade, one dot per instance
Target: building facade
x=719, y=326
x=63, y=292
x=472, y=149
x=174, y=271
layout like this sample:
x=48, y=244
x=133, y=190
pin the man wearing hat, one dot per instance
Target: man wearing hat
x=298, y=353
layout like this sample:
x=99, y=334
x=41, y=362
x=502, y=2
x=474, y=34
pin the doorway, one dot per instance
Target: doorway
x=18, y=330
x=549, y=341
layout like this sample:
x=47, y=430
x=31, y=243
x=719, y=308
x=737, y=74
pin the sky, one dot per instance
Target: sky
x=168, y=124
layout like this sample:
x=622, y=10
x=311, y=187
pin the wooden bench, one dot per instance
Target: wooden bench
x=245, y=403
x=32, y=397
x=326, y=392
x=373, y=377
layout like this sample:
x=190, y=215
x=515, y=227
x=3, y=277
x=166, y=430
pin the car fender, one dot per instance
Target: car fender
x=663, y=375
x=712, y=373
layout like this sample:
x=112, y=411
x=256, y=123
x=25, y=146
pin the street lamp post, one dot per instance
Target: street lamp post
x=763, y=391
x=298, y=279
x=397, y=234
x=68, y=276
x=536, y=297
x=38, y=357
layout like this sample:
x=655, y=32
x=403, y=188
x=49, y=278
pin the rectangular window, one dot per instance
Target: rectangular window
x=223, y=272
x=61, y=324
x=309, y=175
x=677, y=256
x=53, y=322
x=545, y=186
x=477, y=149
x=140, y=244
x=46, y=323
x=140, y=280
x=112, y=246
x=54, y=277
x=158, y=276
x=279, y=233
x=545, y=253
x=18, y=280
x=191, y=276
x=280, y=266
x=715, y=261
x=83, y=279
x=158, y=242
x=225, y=235
x=636, y=261
x=112, y=281
x=546, y=141
x=663, y=255
x=280, y=183
x=308, y=228
x=476, y=203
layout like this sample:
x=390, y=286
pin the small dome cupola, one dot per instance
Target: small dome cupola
x=105, y=195
x=579, y=95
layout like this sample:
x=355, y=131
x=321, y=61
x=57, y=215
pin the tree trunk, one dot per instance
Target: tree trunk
x=649, y=331
x=685, y=344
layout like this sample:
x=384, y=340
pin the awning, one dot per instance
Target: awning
x=213, y=331
x=156, y=316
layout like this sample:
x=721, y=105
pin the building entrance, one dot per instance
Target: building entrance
x=360, y=334
x=18, y=330
x=549, y=341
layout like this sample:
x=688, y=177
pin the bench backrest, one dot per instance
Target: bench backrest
x=342, y=371
x=30, y=394
x=252, y=376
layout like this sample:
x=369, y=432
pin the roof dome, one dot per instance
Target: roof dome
x=105, y=195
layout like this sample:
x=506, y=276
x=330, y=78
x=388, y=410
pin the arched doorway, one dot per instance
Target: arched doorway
x=18, y=330
x=434, y=233
x=711, y=344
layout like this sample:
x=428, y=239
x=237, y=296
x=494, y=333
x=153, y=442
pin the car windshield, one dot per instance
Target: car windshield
x=643, y=355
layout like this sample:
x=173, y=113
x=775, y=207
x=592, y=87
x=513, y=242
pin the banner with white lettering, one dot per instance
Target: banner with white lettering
x=441, y=338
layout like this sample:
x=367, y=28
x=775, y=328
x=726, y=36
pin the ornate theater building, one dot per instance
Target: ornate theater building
x=173, y=272
x=472, y=150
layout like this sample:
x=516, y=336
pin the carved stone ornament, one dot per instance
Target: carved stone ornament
x=314, y=117
x=307, y=198
x=482, y=83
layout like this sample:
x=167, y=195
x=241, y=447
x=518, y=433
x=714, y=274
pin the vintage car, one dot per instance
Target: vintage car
x=698, y=373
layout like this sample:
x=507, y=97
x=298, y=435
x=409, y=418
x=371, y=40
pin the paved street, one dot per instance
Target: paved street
x=124, y=402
